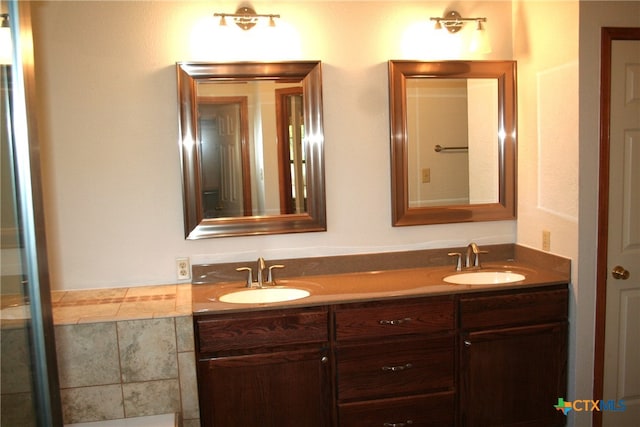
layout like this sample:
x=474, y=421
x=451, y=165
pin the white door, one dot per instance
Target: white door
x=622, y=332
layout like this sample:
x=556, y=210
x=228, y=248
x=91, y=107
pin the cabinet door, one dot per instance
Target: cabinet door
x=270, y=390
x=513, y=376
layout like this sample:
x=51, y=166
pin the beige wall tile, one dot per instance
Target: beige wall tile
x=183, y=298
x=86, y=404
x=15, y=376
x=147, y=349
x=145, y=309
x=17, y=410
x=94, y=294
x=73, y=314
x=191, y=423
x=57, y=296
x=184, y=333
x=151, y=290
x=87, y=355
x=151, y=398
x=188, y=385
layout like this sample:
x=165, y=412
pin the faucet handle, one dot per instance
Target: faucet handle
x=249, y=275
x=458, y=261
x=477, y=257
x=270, y=276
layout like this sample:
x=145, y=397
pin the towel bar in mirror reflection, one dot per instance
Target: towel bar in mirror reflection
x=453, y=141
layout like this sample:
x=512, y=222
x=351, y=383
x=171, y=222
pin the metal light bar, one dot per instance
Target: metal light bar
x=246, y=18
x=454, y=22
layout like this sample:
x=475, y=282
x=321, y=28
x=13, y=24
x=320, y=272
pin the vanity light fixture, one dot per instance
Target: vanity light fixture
x=453, y=22
x=246, y=18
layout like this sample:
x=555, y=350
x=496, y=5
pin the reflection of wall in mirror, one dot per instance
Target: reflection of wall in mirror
x=452, y=113
x=482, y=95
x=437, y=114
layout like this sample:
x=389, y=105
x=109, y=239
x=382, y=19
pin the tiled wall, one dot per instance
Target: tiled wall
x=130, y=368
x=126, y=352
x=15, y=377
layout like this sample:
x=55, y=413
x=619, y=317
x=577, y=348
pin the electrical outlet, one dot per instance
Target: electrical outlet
x=546, y=240
x=426, y=175
x=183, y=269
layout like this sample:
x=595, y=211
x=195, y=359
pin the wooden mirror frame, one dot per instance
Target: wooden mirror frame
x=505, y=208
x=188, y=76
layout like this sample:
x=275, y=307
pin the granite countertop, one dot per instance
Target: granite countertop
x=329, y=280
x=373, y=285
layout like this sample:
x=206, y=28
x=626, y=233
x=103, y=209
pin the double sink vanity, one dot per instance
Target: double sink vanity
x=419, y=338
x=389, y=347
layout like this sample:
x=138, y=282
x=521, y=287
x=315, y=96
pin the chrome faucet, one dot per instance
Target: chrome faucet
x=472, y=257
x=260, y=274
x=473, y=252
x=458, y=256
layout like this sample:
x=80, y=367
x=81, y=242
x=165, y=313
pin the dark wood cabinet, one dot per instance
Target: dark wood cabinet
x=395, y=363
x=513, y=356
x=476, y=359
x=266, y=368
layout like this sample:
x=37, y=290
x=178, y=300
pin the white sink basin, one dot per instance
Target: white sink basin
x=264, y=295
x=484, y=278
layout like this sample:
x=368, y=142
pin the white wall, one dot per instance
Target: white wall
x=108, y=119
x=548, y=108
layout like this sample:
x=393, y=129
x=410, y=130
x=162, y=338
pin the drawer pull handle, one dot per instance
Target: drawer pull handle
x=397, y=368
x=406, y=423
x=467, y=343
x=394, y=322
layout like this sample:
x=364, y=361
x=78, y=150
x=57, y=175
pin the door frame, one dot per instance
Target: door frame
x=284, y=155
x=608, y=35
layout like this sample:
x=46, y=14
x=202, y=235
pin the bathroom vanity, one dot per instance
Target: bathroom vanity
x=386, y=348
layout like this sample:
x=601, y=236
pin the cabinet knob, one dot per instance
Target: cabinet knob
x=467, y=343
x=403, y=424
x=324, y=359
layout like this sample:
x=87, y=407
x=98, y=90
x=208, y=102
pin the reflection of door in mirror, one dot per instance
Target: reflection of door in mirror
x=224, y=157
x=264, y=210
x=452, y=128
x=291, y=153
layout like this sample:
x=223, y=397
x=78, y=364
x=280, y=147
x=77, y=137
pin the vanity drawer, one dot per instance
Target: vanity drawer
x=416, y=411
x=513, y=308
x=393, y=318
x=260, y=331
x=401, y=368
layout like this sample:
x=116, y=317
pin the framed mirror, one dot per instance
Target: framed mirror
x=251, y=144
x=453, y=141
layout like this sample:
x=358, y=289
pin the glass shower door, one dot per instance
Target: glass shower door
x=28, y=372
